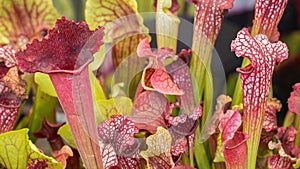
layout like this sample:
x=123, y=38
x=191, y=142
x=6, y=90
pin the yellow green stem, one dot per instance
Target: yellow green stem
x=297, y=127
x=44, y=106
x=201, y=156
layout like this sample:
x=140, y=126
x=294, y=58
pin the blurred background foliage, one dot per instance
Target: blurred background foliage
x=74, y=9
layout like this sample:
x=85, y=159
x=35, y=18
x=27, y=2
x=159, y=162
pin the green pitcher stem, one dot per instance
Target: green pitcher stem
x=208, y=97
x=199, y=66
x=254, y=131
x=237, y=95
x=201, y=155
x=185, y=158
x=289, y=119
x=43, y=107
x=191, y=151
x=297, y=127
x=167, y=25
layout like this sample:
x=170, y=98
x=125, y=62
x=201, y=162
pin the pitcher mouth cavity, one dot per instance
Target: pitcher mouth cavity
x=246, y=70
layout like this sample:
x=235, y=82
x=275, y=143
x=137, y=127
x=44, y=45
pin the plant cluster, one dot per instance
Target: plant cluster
x=128, y=106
